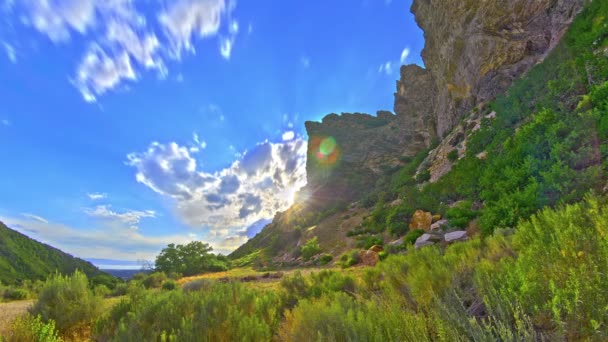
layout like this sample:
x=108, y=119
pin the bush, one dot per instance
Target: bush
x=382, y=255
x=224, y=312
x=170, y=285
x=366, y=242
x=453, y=155
x=15, y=294
x=423, y=176
x=32, y=329
x=198, y=285
x=120, y=290
x=154, y=280
x=349, y=259
x=325, y=259
x=412, y=236
x=310, y=249
x=68, y=301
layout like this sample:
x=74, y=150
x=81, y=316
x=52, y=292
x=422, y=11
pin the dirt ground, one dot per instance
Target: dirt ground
x=11, y=310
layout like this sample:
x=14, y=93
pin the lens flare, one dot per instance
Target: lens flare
x=325, y=150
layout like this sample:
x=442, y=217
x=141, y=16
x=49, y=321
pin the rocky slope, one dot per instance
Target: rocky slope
x=474, y=50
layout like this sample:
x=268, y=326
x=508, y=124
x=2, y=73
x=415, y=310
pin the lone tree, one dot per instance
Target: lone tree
x=193, y=258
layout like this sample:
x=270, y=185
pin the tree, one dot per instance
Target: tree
x=193, y=258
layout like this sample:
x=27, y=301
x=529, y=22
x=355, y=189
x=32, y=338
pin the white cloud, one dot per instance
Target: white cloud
x=130, y=218
x=99, y=72
x=386, y=68
x=35, y=217
x=404, y=54
x=57, y=19
x=94, y=196
x=11, y=54
x=289, y=135
x=184, y=20
x=256, y=186
x=122, y=41
x=111, y=241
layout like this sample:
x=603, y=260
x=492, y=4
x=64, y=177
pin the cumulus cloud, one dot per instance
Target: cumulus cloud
x=122, y=40
x=289, y=135
x=256, y=186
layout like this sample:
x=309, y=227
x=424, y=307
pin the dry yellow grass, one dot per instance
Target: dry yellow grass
x=11, y=310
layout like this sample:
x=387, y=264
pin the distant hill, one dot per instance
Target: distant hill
x=22, y=258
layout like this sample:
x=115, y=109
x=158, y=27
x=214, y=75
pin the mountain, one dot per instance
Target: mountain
x=495, y=122
x=22, y=258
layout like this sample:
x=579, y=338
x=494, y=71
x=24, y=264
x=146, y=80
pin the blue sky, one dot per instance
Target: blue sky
x=126, y=125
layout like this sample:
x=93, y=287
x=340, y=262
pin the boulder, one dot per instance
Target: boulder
x=421, y=220
x=397, y=242
x=426, y=240
x=377, y=248
x=459, y=235
x=396, y=202
x=437, y=225
x=424, y=244
x=369, y=258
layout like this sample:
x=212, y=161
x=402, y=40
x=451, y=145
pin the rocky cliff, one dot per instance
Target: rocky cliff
x=474, y=50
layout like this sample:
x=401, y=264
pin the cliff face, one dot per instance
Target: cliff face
x=474, y=49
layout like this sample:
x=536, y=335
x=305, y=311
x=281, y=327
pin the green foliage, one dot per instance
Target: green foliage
x=32, y=329
x=24, y=259
x=412, y=236
x=350, y=259
x=339, y=317
x=224, y=312
x=423, y=176
x=453, y=155
x=366, y=242
x=170, y=285
x=310, y=248
x=154, y=280
x=560, y=274
x=461, y=214
x=69, y=301
x=15, y=294
x=325, y=259
x=190, y=259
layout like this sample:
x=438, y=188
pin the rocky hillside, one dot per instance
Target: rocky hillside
x=22, y=258
x=474, y=51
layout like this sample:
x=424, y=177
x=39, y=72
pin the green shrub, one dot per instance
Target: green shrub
x=169, y=285
x=68, y=301
x=102, y=291
x=423, y=176
x=460, y=215
x=198, y=285
x=350, y=259
x=15, y=294
x=412, y=236
x=366, y=242
x=310, y=249
x=382, y=255
x=32, y=329
x=325, y=259
x=154, y=280
x=453, y=155
x=120, y=290
x=224, y=312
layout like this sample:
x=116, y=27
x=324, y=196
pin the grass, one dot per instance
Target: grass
x=10, y=311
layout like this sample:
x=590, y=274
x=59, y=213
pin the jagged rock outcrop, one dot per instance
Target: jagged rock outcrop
x=475, y=49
